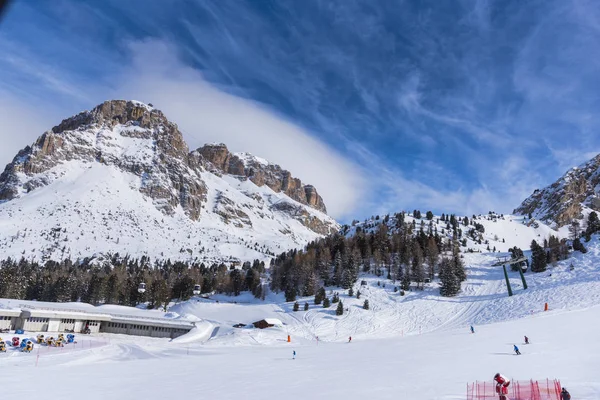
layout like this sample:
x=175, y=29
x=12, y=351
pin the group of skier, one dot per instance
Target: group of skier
x=503, y=382
x=515, y=348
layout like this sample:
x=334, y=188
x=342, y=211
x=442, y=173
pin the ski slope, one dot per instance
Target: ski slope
x=416, y=346
x=434, y=365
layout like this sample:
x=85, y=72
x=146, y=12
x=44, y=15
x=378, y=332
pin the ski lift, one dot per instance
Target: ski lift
x=142, y=288
x=196, y=290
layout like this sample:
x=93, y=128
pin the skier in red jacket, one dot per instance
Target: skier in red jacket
x=502, y=383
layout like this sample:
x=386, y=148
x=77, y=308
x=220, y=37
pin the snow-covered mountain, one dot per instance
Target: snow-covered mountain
x=572, y=196
x=120, y=178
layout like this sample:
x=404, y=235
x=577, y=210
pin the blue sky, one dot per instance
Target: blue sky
x=453, y=106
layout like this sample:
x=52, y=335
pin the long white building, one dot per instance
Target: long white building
x=64, y=320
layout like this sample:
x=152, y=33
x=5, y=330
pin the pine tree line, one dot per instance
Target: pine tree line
x=116, y=280
x=406, y=255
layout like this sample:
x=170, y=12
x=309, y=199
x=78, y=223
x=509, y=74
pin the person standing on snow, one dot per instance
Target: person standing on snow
x=294, y=355
x=472, y=329
x=502, y=383
x=526, y=340
x=349, y=339
x=517, y=350
x=564, y=395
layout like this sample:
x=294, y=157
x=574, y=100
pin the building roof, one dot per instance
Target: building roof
x=64, y=315
x=10, y=312
x=273, y=321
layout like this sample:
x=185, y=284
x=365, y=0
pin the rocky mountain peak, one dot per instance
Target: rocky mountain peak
x=261, y=172
x=123, y=158
x=566, y=199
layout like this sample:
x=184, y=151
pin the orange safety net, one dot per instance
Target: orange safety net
x=517, y=390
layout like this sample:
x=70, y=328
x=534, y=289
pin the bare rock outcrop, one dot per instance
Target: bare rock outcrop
x=218, y=157
x=564, y=200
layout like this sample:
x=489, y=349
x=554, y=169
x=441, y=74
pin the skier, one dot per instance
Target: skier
x=502, y=383
x=517, y=350
x=472, y=329
x=294, y=355
x=349, y=339
x=564, y=395
x=526, y=340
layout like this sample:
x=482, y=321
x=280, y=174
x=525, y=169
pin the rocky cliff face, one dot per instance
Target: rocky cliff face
x=137, y=145
x=130, y=135
x=218, y=157
x=564, y=200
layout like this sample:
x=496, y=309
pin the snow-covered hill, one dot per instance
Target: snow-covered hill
x=496, y=231
x=120, y=179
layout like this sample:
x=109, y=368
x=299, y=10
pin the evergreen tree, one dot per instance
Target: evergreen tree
x=306, y=306
x=290, y=293
x=366, y=304
x=320, y=296
x=450, y=284
x=538, y=257
x=574, y=230
x=457, y=264
x=405, y=282
x=326, y=303
x=429, y=215
x=296, y=306
x=336, y=298
x=578, y=246
x=351, y=292
x=593, y=223
x=340, y=309
x=358, y=294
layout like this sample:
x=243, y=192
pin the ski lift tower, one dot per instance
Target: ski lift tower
x=502, y=261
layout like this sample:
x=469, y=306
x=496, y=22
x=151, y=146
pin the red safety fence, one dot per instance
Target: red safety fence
x=517, y=390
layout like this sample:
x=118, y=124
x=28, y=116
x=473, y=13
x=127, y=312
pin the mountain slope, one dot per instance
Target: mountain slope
x=573, y=194
x=120, y=178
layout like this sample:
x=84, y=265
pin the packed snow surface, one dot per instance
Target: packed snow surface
x=416, y=346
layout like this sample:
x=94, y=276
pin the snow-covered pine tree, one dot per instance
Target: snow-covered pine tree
x=296, y=306
x=366, y=304
x=326, y=303
x=336, y=298
x=450, y=283
x=340, y=309
x=457, y=264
